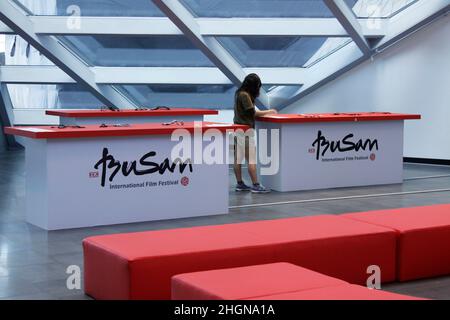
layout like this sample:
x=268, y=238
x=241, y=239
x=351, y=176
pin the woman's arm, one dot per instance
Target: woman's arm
x=260, y=113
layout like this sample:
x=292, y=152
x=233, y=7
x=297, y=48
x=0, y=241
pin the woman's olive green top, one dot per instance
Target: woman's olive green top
x=244, y=110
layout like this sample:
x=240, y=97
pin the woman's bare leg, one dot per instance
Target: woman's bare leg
x=237, y=163
x=251, y=164
x=252, y=173
x=238, y=172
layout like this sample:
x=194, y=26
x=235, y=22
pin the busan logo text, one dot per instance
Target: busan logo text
x=321, y=146
x=110, y=167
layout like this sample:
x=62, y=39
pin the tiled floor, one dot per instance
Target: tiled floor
x=33, y=262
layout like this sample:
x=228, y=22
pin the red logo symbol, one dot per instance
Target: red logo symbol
x=93, y=174
x=184, y=181
x=373, y=157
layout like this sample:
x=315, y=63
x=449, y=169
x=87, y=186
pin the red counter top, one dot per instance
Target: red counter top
x=337, y=117
x=93, y=131
x=87, y=113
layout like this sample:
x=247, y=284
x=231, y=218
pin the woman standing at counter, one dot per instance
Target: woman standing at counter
x=245, y=113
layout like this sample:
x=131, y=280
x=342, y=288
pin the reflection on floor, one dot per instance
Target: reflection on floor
x=33, y=262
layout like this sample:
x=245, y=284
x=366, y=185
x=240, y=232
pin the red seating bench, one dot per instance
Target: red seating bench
x=423, y=238
x=140, y=265
x=279, y=281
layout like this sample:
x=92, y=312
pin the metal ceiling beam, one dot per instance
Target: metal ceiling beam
x=191, y=75
x=160, y=75
x=135, y=26
x=33, y=75
x=308, y=27
x=147, y=75
x=51, y=48
x=6, y=116
x=350, y=23
x=210, y=47
x=105, y=25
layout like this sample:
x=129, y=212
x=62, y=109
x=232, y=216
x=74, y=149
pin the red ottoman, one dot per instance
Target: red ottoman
x=330, y=245
x=140, y=265
x=423, y=238
x=248, y=282
x=344, y=292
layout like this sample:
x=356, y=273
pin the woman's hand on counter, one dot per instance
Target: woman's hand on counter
x=260, y=113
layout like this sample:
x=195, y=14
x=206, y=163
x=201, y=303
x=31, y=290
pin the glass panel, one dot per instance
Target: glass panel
x=64, y=96
x=380, y=8
x=261, y=51
x=260, y=8
x=182, y=95
x=330, y=46
x=139, y=51
x=127, y=8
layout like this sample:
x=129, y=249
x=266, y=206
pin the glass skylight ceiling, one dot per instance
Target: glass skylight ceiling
x=289, y=62
x=141, y=51
x=260, y=8
x=263, y=51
